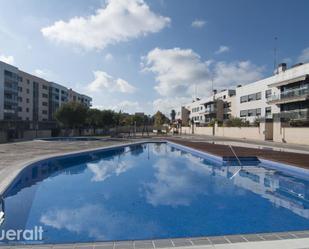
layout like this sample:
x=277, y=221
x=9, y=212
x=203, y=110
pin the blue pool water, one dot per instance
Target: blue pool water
x=150, y=191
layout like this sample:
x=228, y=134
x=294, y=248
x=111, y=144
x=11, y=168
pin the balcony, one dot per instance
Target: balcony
x=302, y=114
x=208, y=111
x=301, y=94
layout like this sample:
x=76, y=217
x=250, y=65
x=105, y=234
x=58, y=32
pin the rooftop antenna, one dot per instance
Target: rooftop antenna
x=195, y=91
x=275, y=54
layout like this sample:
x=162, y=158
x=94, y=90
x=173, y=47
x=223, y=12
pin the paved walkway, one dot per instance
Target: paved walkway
x=270, y=144
x=13, y=156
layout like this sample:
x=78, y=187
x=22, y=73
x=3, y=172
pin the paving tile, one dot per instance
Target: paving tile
x=124, y=245
x=218, y=240
x=269, y=236
x=301, y=234
x=200, y=242
x=285, y=236
x=90, y=246
x=182, y=242
x=252, y=237
x=64, y=246
x=143, y=244
x=107, y=245
x=163, y=243
x=236, y=238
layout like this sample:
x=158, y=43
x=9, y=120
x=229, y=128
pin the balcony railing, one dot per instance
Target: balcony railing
x=289, y=95
x=302, y=114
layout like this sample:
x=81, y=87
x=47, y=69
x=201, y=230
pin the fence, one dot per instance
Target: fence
x=296, y=135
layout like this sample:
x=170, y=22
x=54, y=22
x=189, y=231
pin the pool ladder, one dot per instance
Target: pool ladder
x=239, y=162
x=2, y=211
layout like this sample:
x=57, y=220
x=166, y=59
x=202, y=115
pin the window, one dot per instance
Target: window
x=27, y=109
x=268, y=111
x=20, y=89
x=251, y=112
x=243, y=113
x=44, y=103
x=243, y=99
x=28, y=91
x=44, y=87
x=44, y=112
x=251, y=97
x=20, y=99
x=258, y=112
x=28, y=81
x=44, y=95
x=20, y=109
x=268, y=93
x=258, y=96
x=27, y=100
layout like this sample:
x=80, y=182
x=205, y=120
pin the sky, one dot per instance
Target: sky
x=149, y=55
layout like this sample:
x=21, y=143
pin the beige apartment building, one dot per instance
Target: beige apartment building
x=26, y=97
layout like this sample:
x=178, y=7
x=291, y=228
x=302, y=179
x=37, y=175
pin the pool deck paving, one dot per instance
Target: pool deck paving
x=295, y=158
x=14, y=156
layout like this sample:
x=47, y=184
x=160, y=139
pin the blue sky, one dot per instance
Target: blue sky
x=147, y=55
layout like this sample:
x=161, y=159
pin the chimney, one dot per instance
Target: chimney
x=214, y=91
x=281, y=68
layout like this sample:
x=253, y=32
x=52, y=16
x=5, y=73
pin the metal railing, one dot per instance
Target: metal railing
x=302, y=92
x=302, y=114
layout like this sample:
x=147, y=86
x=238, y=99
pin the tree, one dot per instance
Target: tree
x=72, y=115
x=173, y=115
x=109, y=118
x=160, y=119
x=94, y=119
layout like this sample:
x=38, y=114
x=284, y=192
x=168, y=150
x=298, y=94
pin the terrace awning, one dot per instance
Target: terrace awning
x=286, y=82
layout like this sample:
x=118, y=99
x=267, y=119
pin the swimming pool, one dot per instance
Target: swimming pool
x=151, y=191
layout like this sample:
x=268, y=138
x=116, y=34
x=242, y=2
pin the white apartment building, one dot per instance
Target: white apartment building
x=218, y=107
x=285, y=95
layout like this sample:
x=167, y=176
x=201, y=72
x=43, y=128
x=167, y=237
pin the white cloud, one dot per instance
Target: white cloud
x=228, y=75
x=198, y=23
x=105, y=169
x=127, y=106
x=304, y=57
x=105, y=82
x=177, y=71
x=119, y=20
x=180, y=73
x=108, y=57
x=98, y=222
x=165, y=105
x=222, y=49
x=7, y=59
x=124, y=106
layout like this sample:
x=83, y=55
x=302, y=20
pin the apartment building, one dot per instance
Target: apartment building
x=218, y=106
x=291, y=95
x=9, y=81
x=283, y=96
x=26, y=97
x=80, y=98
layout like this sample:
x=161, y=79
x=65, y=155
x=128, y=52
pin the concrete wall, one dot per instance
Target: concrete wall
x=3, y=137
x=293, y=135
x=203, y=131
x=256, y=133
x=28, y=135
